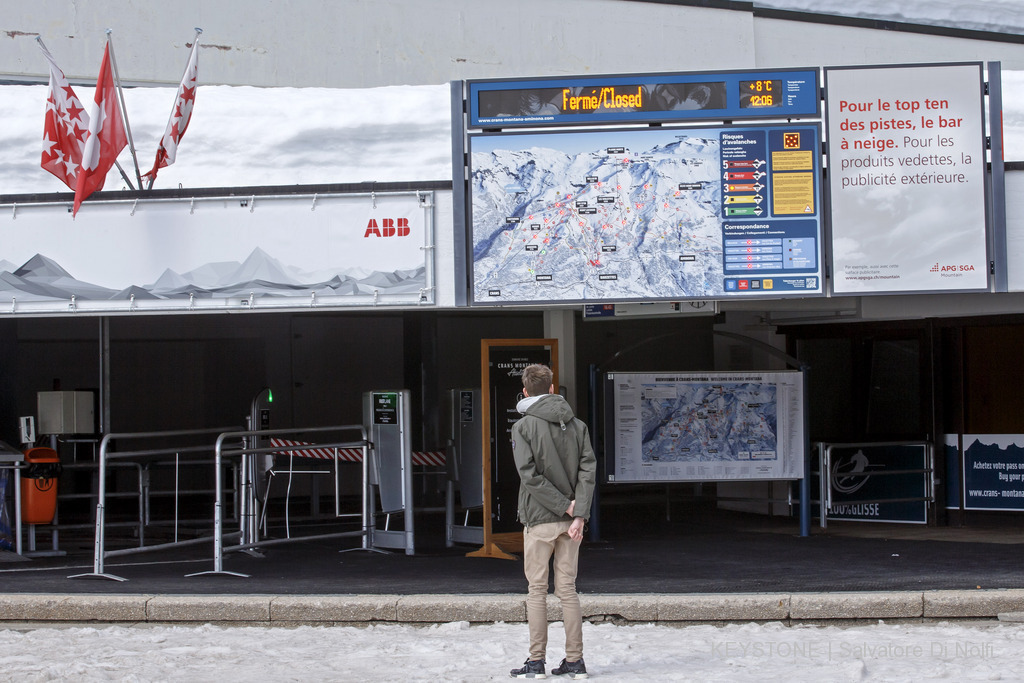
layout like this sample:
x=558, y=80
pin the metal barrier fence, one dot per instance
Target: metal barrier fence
x=250, y=527
x=147, y=454
x=228, y=444
x=860, y=470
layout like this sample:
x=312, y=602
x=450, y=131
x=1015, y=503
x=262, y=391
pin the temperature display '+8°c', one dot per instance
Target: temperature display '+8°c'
x=760, y=93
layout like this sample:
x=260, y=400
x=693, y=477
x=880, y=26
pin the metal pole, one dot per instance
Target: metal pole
x=243, y=514
x=410, y=539
x=104, y=375
x=805, y=483
x=195, y=46
x=124, y=112
x=142, y=506
x=998, y=176
x=823, y=482
x=101, y=496
x=595, y=508
x=367, y=500
x=100, y=540
x=337, y=488
x=177, y=493
x=827, y=473
x=218, y=516
x=124, y=176
x=17, y=507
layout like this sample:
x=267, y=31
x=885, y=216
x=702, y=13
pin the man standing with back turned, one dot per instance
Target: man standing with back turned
x=557, y=472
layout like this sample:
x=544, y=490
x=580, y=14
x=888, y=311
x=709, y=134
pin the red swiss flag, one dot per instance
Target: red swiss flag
x=106, y=137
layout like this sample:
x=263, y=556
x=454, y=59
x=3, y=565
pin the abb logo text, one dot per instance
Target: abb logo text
x=389, y=227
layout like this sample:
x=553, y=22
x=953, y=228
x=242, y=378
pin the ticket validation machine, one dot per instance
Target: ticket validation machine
x=388, y=427
x=464, y=460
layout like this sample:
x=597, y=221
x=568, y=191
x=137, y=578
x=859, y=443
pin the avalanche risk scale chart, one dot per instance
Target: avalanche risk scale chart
x=646, y=213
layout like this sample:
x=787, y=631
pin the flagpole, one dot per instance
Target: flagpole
x=124, y=114
x=124, y=175
x=195, y=46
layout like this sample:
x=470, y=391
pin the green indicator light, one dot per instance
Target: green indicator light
x=270, y=396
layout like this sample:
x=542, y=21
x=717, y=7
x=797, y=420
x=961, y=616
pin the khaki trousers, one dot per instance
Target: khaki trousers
x=540, y=543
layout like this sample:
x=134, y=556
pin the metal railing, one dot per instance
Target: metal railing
x=249, y=524
x=827, y=477
x=107, y=455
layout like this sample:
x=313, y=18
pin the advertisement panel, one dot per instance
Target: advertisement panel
x=506, y=390
x=718, y=426
x=993, y=475
x=255, y=252
x=906, y=160
x=642, y=214
x=1015, y=231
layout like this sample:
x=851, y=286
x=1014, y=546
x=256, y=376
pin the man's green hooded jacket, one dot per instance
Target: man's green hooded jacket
x=555, y=460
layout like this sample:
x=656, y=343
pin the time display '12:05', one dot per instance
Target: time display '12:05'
x=759, y=94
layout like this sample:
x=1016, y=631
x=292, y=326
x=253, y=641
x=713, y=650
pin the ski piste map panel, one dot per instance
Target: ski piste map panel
x=703, y=427
x=642, y=214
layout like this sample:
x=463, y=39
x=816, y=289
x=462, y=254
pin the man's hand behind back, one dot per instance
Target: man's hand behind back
x=576, y=529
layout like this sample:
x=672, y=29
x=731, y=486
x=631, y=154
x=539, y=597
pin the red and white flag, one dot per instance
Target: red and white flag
x=106, y=138
x=181, y=114
x=65, y=128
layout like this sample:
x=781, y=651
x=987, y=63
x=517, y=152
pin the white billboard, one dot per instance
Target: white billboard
x=1015, y=231
x=217, y=253
x=906, y=165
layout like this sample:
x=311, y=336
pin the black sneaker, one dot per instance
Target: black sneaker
x=532, y=668
x=574, y=670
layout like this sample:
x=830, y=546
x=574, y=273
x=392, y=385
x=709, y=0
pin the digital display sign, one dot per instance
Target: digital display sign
x=602, y=99
x=760, y=93
x=643, y=98
x=646, y=214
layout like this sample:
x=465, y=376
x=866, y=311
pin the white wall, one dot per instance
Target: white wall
x=787, y=43
x=354, y=44
x=357, y=44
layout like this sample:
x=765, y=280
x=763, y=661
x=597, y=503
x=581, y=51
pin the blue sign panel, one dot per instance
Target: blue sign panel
x=644, y=98
x=881, y=483
x=993, y=471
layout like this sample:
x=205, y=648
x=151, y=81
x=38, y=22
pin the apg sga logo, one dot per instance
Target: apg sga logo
x=951, y=270
x=389, y=227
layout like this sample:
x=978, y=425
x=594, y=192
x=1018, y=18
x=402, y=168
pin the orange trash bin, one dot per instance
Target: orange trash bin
x=39, y=485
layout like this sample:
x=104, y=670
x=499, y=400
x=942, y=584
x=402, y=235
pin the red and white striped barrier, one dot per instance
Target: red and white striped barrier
x=429, y=458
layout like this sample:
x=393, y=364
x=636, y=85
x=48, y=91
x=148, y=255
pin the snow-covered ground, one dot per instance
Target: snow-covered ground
x=977, y=651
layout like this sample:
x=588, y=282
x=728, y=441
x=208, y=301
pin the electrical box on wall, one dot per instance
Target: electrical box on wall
x=66, y=412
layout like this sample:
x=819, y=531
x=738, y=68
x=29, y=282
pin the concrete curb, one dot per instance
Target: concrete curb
x=425, y=609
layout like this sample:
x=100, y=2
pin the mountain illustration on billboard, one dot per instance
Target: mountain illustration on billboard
x=41, y=278
x=260, y=274
x=134, y=292
x=40, y=267
x=989, y=450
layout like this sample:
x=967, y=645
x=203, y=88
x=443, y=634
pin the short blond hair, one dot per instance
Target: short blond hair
x=537, y=379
